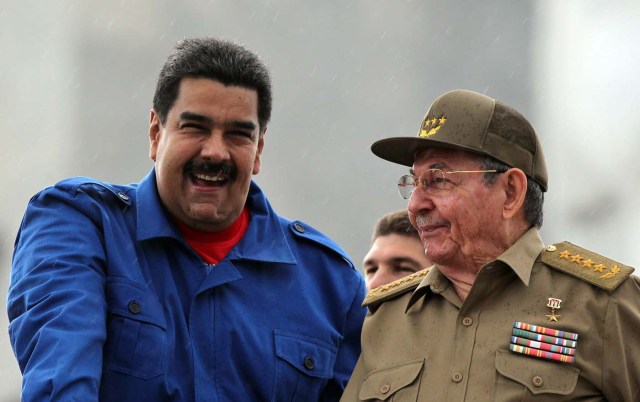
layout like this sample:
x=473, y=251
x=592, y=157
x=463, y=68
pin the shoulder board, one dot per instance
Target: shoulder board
x=395, y=288
x=586, y=265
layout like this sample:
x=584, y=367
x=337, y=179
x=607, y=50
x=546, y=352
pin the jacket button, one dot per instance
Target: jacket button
x=298, y=227
x=537, y=381
x=123, y=196
x=134, y=307
x=467, y=321
x=385, y=388
x=309, y=363
x=457, y=377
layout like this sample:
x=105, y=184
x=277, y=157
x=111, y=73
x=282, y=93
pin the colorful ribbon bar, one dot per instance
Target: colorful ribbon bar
x=546, y=331
x=544, y=338
x=541, y=354
x=544, y=346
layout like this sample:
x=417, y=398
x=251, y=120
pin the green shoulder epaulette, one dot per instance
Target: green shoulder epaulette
x=395, y=288
x=586, y=265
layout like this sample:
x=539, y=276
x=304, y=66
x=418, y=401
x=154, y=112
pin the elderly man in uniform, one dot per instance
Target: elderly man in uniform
x=501, y=316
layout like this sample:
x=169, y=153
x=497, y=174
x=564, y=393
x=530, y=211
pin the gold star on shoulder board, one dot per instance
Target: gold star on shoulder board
x=576, y=258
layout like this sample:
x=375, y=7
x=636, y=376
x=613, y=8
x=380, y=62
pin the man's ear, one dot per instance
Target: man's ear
x=515, y=187
x=258, y=160
x=155, y=129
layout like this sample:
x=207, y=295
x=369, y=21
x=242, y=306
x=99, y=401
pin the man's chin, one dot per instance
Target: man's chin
x=436, y=253
x=209, y=221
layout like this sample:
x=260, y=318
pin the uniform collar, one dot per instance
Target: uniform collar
x=264, y=239
x=520, y=257
x=152, y=219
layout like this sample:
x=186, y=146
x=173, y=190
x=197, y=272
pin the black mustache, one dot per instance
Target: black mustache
x=210, y=168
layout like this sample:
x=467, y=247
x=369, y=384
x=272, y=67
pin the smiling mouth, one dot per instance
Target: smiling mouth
x=209, y=180
x=431, y=229
x=205, y=174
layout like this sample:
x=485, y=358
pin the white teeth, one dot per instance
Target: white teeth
x=209, y=178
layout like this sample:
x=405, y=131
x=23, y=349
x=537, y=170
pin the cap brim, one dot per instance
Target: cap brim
x=402, y=150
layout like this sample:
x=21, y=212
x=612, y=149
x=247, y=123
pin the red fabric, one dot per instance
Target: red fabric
x=212, y=247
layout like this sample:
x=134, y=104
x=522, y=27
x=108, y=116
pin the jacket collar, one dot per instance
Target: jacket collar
x=263, y=241
x=520, y=257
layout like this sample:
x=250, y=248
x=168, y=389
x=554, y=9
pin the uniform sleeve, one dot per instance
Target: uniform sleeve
x=349, y=348
x=56, y=302
x=621, y=366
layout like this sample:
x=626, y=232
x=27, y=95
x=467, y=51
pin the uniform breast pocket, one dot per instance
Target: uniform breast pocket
x=303, y=366
x=398, y=383
x=136, y=331
x=525, y=379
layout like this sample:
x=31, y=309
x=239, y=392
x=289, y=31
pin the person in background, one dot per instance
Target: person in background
x=500, y=316
x=187, y=286
x=396, y=251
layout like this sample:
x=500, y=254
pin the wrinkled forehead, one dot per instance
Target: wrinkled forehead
x=444, y=157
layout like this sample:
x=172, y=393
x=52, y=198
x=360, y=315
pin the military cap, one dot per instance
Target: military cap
x=475, y=123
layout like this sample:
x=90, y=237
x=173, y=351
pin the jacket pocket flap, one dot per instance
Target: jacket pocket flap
x=311, y=356
x=382, y=384
x=131, y=300
x=539, y=376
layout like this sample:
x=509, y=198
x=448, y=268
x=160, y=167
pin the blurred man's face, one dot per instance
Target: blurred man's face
x=206, y=152
x=392, y=257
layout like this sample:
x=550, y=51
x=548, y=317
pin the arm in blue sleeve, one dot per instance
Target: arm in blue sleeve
x=349, y=349
x=56, y=301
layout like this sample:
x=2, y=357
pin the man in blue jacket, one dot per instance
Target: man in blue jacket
x=186, y=286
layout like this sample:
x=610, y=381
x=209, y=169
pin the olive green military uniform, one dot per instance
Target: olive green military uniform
x=420, y=342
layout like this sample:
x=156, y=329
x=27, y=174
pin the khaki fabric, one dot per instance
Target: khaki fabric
x=427, y=345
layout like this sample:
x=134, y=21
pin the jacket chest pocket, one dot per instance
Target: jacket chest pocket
x=303, y=367
x=136, y=331
x=399, y=383
x=530, y=379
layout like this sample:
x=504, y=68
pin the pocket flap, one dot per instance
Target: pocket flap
x=132, y=300
x=382, y=384
x=309, y=355
x=539, y=376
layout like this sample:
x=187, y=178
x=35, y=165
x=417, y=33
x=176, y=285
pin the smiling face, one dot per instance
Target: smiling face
x=392, y=257
x=206, y=152
x=464, y=224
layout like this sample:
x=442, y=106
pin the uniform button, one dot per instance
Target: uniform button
x=298, y=227
x=551, y=248
x=123, y=196
x=467, y=321
x=537, y=381
x=385, y=388
x=457, y=377
x=134, y=307
x=309, y=363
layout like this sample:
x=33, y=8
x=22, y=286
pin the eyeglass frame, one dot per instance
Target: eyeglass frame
x=418, y=180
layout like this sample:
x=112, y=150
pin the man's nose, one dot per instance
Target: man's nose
x=420, y=201
x=214, y=147
x=381, y=277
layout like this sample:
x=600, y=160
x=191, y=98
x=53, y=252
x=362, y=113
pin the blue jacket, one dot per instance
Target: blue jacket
x=108, y=302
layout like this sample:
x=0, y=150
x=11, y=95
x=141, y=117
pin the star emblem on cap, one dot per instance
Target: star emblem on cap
x=431, y=125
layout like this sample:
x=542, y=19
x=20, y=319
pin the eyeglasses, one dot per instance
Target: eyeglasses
x=432, y=181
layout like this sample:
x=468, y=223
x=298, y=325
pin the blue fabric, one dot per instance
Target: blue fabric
x=108, y=302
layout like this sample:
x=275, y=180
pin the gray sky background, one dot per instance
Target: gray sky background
x=77, y=78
